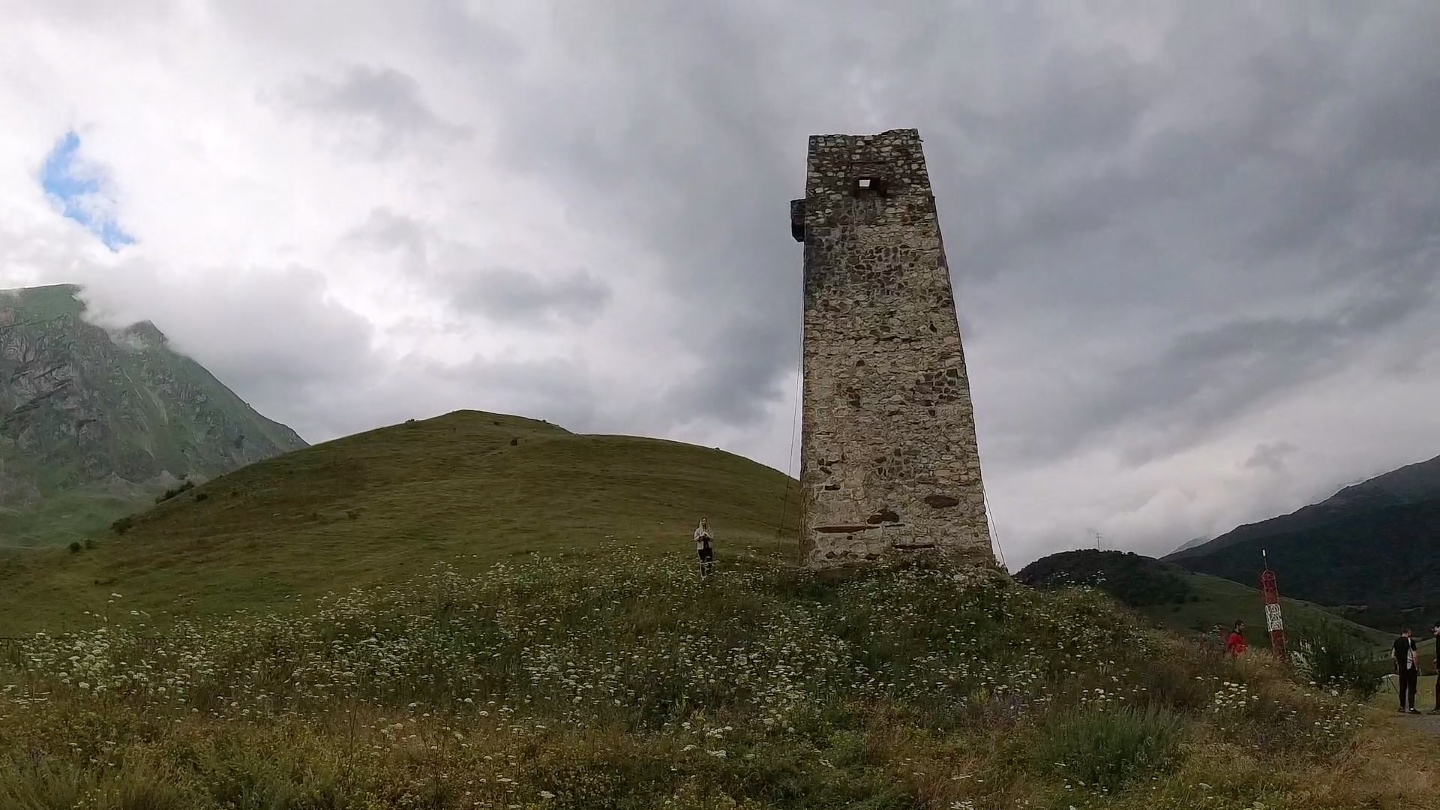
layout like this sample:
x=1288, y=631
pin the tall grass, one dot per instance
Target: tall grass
x=1108, y=749
x=622, y=681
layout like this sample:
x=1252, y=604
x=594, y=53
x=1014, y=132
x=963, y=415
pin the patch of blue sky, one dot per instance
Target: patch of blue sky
x=78, y=189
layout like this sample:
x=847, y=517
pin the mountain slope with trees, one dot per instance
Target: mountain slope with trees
x=1380, y=568
x=1369, y=551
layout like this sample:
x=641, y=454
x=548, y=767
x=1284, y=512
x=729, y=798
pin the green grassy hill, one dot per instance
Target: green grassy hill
x=481, y=611
x=467, y=488
x=1182, y=600
x=71, y=516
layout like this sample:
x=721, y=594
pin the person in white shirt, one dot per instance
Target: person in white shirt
x=703, y=548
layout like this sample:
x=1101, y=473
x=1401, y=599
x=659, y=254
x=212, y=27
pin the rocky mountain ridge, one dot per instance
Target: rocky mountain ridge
x=114, y=412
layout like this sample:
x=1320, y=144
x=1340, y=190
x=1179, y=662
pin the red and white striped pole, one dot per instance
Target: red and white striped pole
x=1273, y=622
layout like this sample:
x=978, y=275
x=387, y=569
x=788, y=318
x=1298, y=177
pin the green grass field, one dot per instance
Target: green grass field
x=1389, y=699
x=64, y=518
x=550, y=682
x=480, y=611
x=467, y=488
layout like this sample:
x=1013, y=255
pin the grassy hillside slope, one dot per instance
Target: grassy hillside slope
x=1221, y=598
x=468, y=488
x=71, y=516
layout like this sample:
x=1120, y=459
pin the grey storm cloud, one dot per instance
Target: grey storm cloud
x=1205, y=379
x=508, y=295
x=502, y=294
x=391, y=102
x=1250, y=159
x=1271, y=456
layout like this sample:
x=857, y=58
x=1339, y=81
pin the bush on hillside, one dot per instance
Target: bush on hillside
x=1328, y=656
x=123, y=524
x=170, y=493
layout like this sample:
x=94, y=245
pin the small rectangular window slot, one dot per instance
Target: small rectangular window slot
x=869, y=185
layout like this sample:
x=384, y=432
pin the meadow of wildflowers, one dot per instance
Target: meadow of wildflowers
x=616, y=680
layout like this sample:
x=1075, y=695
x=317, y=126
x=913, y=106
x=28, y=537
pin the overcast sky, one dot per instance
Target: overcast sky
x=1195, y=245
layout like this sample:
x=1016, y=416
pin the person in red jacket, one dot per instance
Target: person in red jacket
x=1235, y=644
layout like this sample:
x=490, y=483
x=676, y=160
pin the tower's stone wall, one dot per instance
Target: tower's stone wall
x=889, y=461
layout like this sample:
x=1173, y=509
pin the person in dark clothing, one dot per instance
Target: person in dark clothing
x=1436, y=632
x=1405, y=653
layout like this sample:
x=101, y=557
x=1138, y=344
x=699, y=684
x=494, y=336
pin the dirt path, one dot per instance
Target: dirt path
x=1424, y=699
x=1429, y=723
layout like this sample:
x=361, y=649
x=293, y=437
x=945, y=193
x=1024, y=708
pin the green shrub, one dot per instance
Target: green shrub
x=75, y=547
x=1107, y=749
x=170, y=493
x=1324, y=654
x=123, y=524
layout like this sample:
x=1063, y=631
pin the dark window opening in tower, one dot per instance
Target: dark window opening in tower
x=873, y=185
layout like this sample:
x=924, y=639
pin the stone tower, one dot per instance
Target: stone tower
x=888, y=462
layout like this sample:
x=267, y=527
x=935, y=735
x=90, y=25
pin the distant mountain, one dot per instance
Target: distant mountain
x=1189, y=544
x=1411, y=484
x=1371, y=550
x=1378, y=566
x=91, y=420
x=1173, y=597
